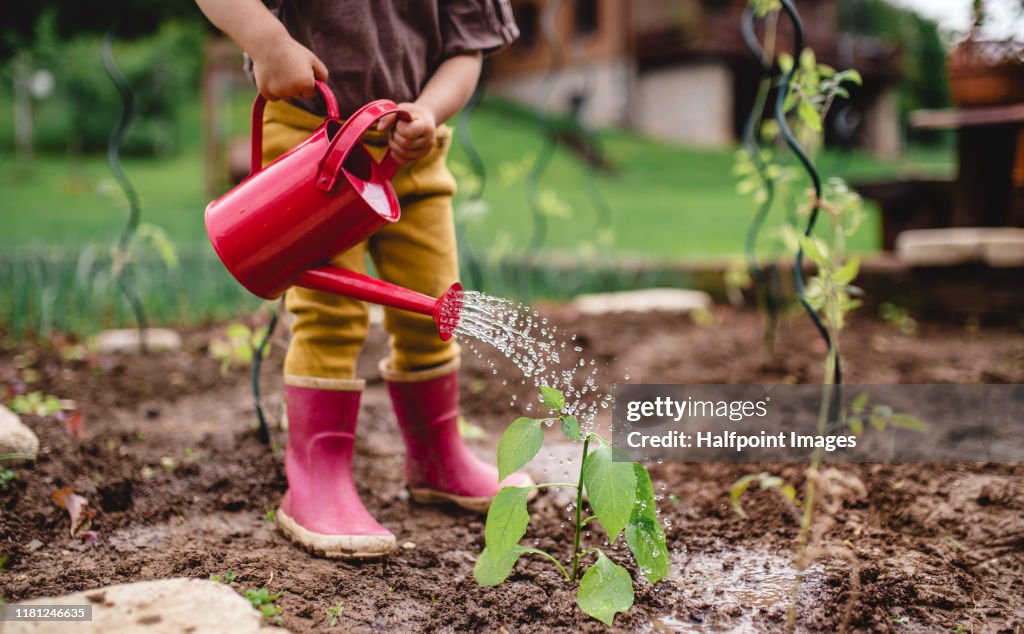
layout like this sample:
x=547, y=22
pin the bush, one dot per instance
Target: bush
x=163, y=71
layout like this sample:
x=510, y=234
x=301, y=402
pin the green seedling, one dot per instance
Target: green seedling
x=227, y=578
x=271, y=515
x=265, y=602
x=333, y=613
x=878, y=416
x=237, y=346
x=7, y=476
x=899, y=317
x=619, y=493
x=35, y=403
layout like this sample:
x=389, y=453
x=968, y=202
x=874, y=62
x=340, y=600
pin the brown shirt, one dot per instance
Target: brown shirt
x=389, y=49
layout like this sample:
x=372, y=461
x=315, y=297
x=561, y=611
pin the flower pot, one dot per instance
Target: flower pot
x=986, y=73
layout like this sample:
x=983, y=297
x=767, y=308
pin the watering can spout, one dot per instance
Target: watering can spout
x=445, y=310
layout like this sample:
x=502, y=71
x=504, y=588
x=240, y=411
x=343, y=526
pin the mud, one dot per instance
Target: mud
x=172, y=462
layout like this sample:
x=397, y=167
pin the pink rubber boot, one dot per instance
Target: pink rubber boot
x=321, y=511
x=439, y=467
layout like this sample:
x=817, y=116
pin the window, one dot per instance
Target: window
x=528, y=19
x=586, y=17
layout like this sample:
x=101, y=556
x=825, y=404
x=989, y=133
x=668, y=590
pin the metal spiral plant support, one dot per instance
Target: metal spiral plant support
x=794, y=145
x=762, y=288
x=476, y=163
x=122, y=268
x=540, y=111
x=592, y=142
x=257, y=364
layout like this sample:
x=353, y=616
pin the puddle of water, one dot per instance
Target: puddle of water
x=738, y=585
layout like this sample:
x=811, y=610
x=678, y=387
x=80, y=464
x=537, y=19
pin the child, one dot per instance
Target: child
x=426, y=55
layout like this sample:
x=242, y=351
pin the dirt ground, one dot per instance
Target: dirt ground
x=170, y=459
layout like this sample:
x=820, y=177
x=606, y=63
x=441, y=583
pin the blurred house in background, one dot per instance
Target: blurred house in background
x=678, y=69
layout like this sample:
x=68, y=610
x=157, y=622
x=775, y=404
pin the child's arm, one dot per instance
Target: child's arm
x=282, y=67
x=448, y=89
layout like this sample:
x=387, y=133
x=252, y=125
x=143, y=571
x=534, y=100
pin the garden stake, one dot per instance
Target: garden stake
x=283, y=224
x=794, y=145
x=476, y=163
x=257, y=365
x=763, y=290
x=121, y=263
x=547, y=151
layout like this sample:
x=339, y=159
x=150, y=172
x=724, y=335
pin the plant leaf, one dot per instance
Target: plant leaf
x=644, y=533
x=907, y=422
x=552, y=398
x=78, y=509
x=571, y=427
x=506, y=520
x=605, y=590
x=611, y=490
x=809, y=115
x=847, y=272
x=518, y=445
x=859, y=403
x=491, y=569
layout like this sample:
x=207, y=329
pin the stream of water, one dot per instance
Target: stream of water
x=545, y=354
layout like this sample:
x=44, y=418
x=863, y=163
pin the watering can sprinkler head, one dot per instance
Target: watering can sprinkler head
x=281, y=225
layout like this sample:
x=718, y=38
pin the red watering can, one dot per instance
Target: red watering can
x=281, y=226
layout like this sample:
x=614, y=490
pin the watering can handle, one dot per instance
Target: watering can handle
x=256, y=161
x=354, y=128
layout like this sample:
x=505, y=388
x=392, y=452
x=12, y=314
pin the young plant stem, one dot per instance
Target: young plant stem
x=579, y=515
x=554, y=559
x=807, y=517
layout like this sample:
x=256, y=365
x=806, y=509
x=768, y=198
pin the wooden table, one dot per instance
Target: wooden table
x=990, y=181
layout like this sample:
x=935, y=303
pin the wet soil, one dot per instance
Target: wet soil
x=170, y=459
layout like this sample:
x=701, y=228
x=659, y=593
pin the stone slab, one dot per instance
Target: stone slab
x=166, y=606
x=127, y=340
x=653, y=299
x=15, y=436
x=1000, y=247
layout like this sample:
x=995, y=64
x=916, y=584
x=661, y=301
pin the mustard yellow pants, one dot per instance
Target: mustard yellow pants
x=417, y=252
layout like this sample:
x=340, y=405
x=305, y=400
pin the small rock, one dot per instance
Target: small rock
x=167, y=605
x=96, y=597
x=408, y=545
x=34, y=545
x=15, y=436
x=127, y=340
x=673, y=300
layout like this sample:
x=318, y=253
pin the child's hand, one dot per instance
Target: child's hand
x=414, y=139
x=284, y=68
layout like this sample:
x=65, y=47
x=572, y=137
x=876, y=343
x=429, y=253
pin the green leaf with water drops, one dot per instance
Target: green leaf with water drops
x=611, y=489
x=507, y=519
x=571, y=427
x=518, y=445
x=644, y=533
x=552, y=398
x=605, y=590
x=492, y=568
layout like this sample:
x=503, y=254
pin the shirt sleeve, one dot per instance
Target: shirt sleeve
x=476, y=25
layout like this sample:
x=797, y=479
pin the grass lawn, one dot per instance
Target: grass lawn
x=60, y=218
x=666, y=201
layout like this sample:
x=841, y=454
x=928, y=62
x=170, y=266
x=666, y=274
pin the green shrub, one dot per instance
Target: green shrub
x=163, y=71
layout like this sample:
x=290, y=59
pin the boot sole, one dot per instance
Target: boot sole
x=474, y=504
x=336, y=546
